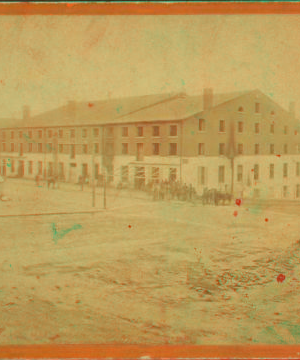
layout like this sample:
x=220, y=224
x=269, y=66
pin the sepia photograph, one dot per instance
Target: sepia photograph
x=150, y=179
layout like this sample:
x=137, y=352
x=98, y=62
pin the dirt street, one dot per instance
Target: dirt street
x=146, y=272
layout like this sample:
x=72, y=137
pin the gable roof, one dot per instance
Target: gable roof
x=157, y=107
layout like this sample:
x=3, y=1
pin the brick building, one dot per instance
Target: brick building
x=242, y=142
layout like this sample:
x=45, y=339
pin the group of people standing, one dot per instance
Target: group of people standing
x=171, y=190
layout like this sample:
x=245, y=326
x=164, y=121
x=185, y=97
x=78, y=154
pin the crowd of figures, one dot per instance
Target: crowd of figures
x=171, y=190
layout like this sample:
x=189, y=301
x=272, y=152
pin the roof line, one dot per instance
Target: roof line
x=148, y=106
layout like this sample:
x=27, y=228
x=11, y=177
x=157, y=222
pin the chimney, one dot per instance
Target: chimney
x=26, y=112
x=207, y=98
x=292, y=107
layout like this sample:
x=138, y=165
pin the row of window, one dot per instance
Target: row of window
x=84, y=132
x=240, y=149
x=240, y=127
x=155, y=148
x=85, y=149
x=202, y=173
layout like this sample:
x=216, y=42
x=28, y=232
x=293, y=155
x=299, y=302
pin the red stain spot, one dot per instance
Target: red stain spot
x=37, y=277
x=91, y=104
x=296, y=132
x=277, y=313
x=280, y=278
x=266, y=219
x=70, y=4
x=77, y=301
x=129, y=226
x=238, y=202
x=278, y=155
x=235, y=213
x=252, y=169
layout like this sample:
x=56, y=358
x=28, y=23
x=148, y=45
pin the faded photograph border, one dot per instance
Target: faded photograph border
x=141, y=351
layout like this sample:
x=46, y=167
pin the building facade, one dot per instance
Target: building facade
x=240, y=142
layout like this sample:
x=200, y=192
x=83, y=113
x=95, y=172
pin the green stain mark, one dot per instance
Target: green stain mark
x=8, y=164
x=193, y=132
x=60, y=234
x=119, y=108
x=182, y=82
x=293, y=329
x=270, y=331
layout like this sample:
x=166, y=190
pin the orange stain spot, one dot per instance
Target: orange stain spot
x=91, y=105
x=278, y=155
x=129, y=226
x=266, y=219
x=235, y=213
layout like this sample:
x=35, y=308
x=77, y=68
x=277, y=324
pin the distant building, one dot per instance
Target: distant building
x=242, y=142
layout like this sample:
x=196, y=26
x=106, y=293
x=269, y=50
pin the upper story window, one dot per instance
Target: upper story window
x=3, y=147
x=29, y=147
x=256, y=172
x=30, y=134
x=20, y=134
x=140, y=131
x=240, y=127
x=72, y=133
x=155, y=130
x=285, y=170
x=12, y=134
x=96, y=132
x=222, y=126
x=257, y=108
x=285, y=148
x=12, y=147
x=222, y=149
x=257, y=128
x=256, y=149
x=272, y=149
x=60, y=133
x=155, y=149
x=173, y=149
x=240, y=173
x=40, y=147
x=240, y=149
x=201, y=125
x=271, y=172
x=84, y=149
x=173, y=130
x=60, y=148
x=285, y=130
x=125, y=148
x=84, y=133
x=96, y=148
x=50, y=133
x=40, y=134
x=201, y=149
x=124, y=131
x=272, y=129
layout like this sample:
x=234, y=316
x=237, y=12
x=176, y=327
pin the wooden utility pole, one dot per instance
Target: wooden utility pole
x=104, y=189
x=93, y=177
x=104, y=168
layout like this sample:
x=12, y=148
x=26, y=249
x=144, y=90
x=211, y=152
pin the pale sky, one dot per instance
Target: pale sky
x=47, y=60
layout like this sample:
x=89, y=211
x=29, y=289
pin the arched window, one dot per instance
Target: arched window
x=241, y=109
